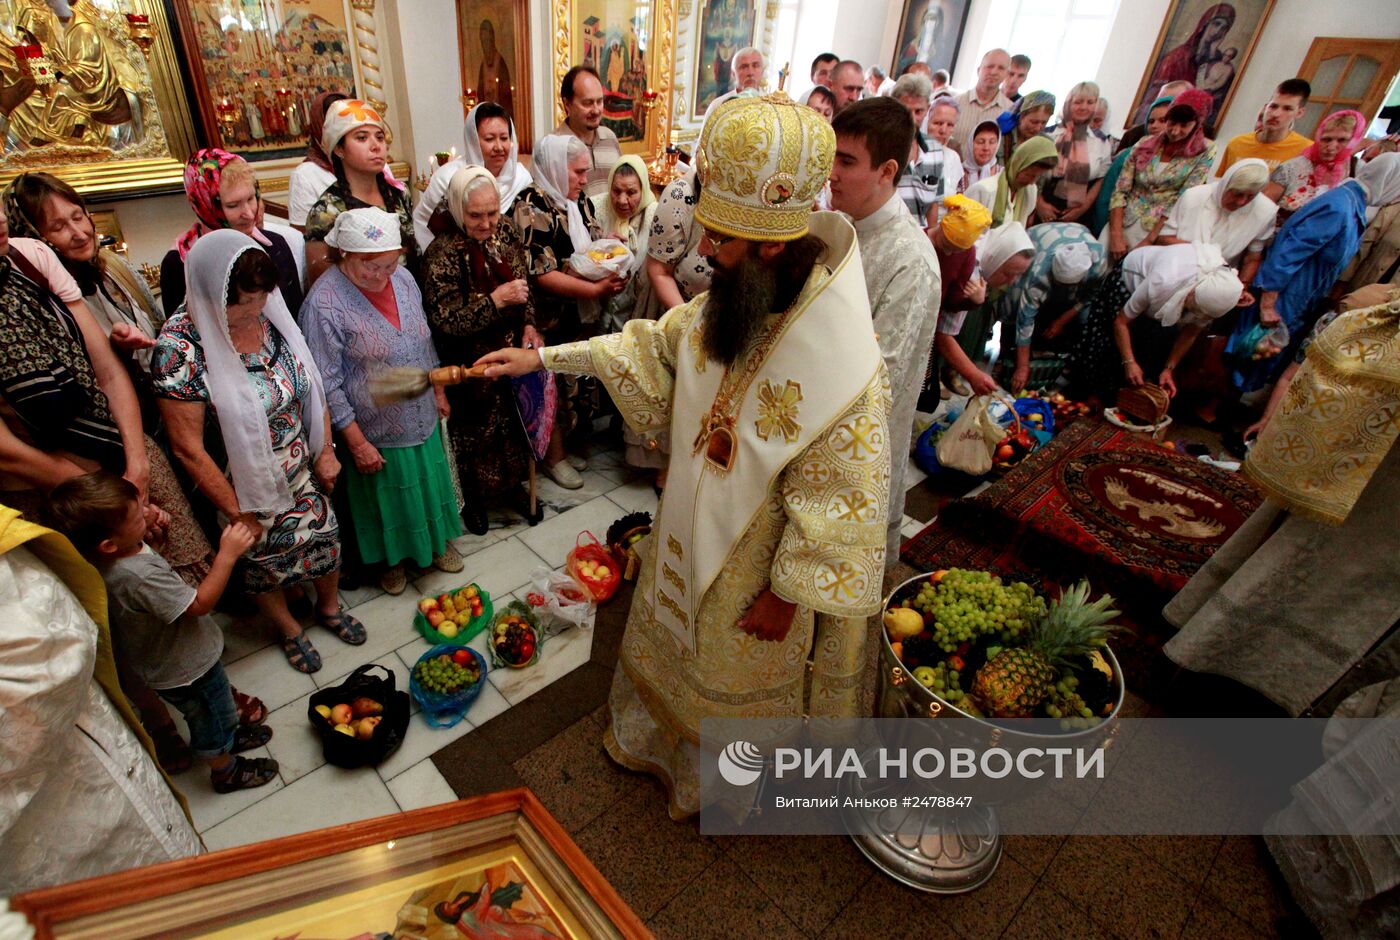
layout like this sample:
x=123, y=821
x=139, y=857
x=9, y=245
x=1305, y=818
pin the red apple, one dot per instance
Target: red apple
x=1005, y=452
x=427, y=604
x=435, y=617
x=342, y=714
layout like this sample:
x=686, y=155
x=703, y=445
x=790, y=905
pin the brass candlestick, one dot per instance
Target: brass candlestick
x=138, y=30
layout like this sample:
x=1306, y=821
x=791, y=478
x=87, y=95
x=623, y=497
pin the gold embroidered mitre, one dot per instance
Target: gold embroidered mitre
x=765, y=161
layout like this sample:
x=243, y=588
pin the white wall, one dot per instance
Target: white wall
x=1129, y=44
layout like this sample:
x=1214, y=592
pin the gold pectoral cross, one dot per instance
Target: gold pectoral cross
x=717, y=440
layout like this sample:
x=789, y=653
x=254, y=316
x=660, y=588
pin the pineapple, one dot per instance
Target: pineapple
x=1015, y=681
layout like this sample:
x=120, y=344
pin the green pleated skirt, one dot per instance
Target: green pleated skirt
x=407, y=511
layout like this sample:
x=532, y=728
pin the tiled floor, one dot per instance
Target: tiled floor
x=542, y=727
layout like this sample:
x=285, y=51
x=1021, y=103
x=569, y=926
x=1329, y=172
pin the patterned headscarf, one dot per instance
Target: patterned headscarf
x=1029, y=102
x=1200, y=103
x=316, y=126
x=1334, y=171
x=344, y=116
x=202, y=176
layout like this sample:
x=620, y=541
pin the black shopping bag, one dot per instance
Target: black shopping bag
x=343, y=750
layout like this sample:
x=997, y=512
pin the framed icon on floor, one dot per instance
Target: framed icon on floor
x=497, y=865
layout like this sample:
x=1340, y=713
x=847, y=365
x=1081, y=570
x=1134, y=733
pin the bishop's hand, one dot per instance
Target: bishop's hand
x=510, y=362
x=770, y=617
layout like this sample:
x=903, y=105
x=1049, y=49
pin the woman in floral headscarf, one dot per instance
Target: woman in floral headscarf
x=1294, y=183
x=1027, y=119
x=1161, y=168
x=223, y=192
x=356, y=139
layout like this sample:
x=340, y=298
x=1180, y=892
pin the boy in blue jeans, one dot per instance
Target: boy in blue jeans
x=161, y=624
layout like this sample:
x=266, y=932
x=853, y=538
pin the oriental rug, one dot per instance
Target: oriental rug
x=1098, y=502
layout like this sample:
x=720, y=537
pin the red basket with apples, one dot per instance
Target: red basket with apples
x=594, y=567
x=455, y=617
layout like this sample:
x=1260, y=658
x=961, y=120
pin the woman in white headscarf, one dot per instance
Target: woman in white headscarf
x=490, y=140
x=1230, y=213
x=235, y=350
x=363, y=315
x=554, y=219
x=1174, y=287
x=478, y=300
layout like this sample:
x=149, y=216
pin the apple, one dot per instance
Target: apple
x=324, y=711
x=1005, y=452
x=463, y=618
x=427, y=604
x=342, y=714
x=603, y=572
x=448, y=629
x=364, y=728
x=345, y=729
x=462, y=657
x=471, y=591
x=364, y=706
x=435, y=618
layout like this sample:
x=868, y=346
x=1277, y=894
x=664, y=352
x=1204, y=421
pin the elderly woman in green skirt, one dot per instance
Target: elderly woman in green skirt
x=364, y=315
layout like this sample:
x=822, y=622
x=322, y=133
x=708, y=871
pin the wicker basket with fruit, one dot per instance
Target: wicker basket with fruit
x=516, y=637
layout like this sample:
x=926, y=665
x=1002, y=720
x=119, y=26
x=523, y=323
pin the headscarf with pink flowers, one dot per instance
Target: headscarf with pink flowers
x=202, y=177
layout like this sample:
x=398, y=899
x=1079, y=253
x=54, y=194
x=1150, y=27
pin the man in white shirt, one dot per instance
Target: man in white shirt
x=984, y=101
x=877, y=83
x=902, y=278
x=582, y=94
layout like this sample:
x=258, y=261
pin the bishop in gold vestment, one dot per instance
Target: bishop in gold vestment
x=769, y=542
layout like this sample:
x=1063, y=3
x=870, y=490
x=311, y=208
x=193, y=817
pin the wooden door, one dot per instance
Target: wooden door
x=1347, y=73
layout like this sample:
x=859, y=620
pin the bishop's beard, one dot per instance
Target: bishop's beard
x=741, y=297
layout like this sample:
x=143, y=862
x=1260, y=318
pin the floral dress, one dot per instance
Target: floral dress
x=337, y=199
x=459, y=275
x=675, y=241
x=301, y=543
x=1146, y=194
x=544, y=230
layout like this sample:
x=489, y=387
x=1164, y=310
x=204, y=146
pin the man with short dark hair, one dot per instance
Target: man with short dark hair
x=582, y=93
x=873, y=140
x=1275, y=141
x=939, y=80
x=847, y=82
x=983, y=102
x=1016, y=77
x=822, y=66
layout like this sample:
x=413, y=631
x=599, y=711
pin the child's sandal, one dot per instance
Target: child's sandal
x=245, y=774
x=248, y=737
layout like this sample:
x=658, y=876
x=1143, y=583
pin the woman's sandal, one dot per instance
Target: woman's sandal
x=251, y=710
x=246, y=773
x=344, y=626
x=301, y=655
x=248, y=737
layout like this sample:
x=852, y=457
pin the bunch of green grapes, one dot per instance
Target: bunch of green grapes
x=440, y=674
x=968, y=604
x=1064, y=703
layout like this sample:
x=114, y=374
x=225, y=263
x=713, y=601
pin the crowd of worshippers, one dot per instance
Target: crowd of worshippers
x=167, y=439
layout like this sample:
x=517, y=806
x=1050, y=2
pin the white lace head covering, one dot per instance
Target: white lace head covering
x=513, y=177
x=258, y=480
x=552, y=156
x=365, y=231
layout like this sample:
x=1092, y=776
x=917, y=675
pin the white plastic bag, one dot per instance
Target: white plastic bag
x=970, y=443
x=559, y=601
x=595, y=269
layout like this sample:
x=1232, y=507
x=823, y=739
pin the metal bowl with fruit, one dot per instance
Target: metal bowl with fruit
x=976, y=658
x=445, y=681
x=516, y=637
x=454, y=617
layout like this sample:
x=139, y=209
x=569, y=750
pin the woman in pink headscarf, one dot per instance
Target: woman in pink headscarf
x=1294, y=183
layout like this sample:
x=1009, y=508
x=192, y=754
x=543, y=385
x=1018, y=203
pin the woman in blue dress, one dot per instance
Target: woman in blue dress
x=1308, y=255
